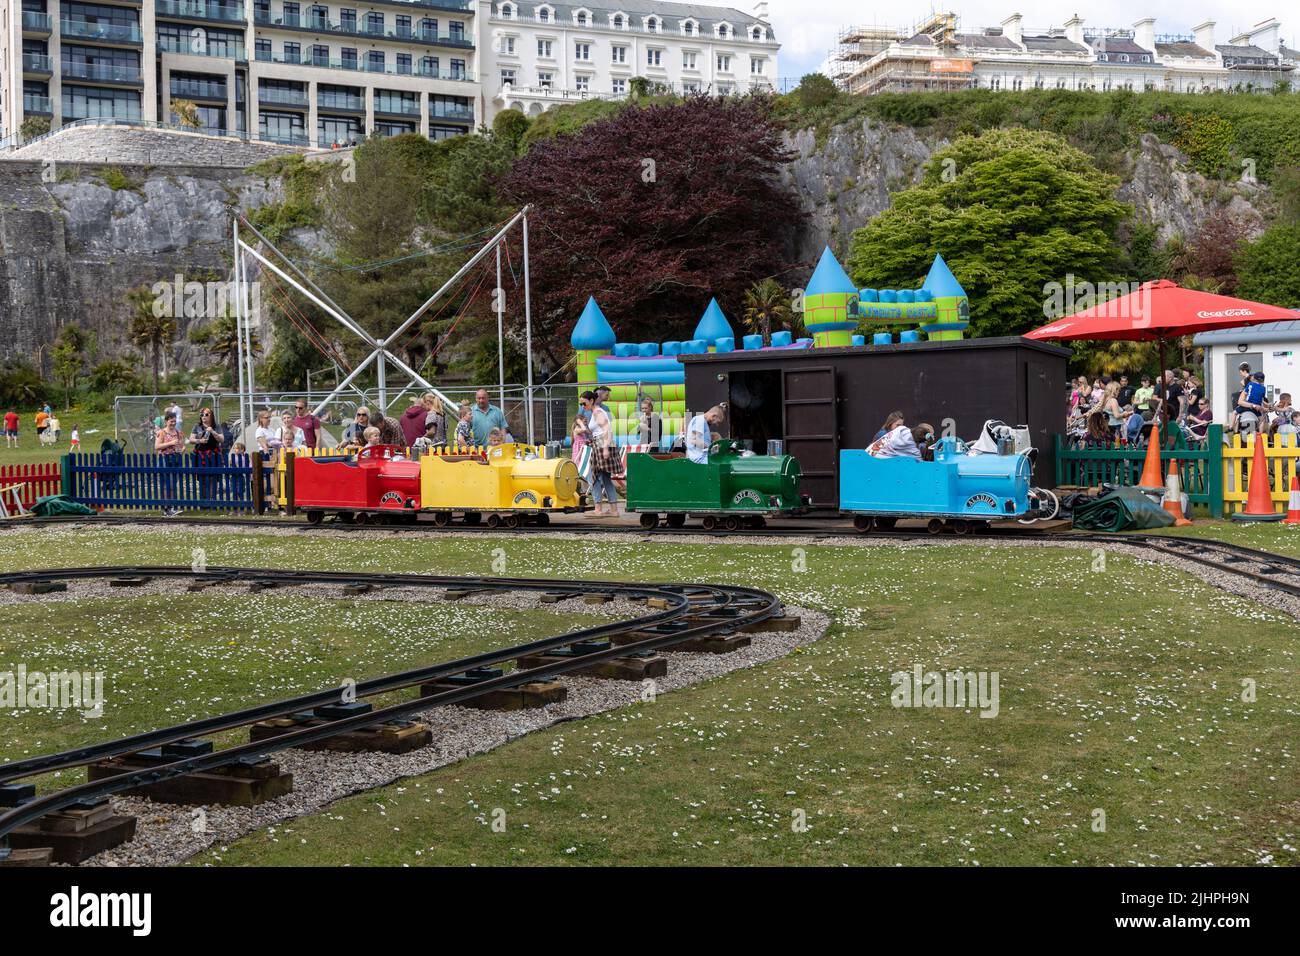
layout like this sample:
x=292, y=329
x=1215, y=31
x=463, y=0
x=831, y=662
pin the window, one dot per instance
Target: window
x=582, y=52
x=292, y=53
x=429, y=66
x=545, y=79
x=291, y=14
x=582, y=83
x=724, y=62
x=618, y=54
x=348, y=20
x=582, y=18
x=375, y=23
x=320, y=15
x=725, y=31
x=688, y=60
x=508, y=46
x=404, y=64
x=544, y=14
x=652, y=24
x=618, y=22
x=757, y=34
x=80, y=102
x=428, y=29
x=349, y=55
x=458, y=30
x=1017, y=83
x=508, y=77
x=458, y=70
x=690, y=86
x=619, y=86
x=403, y=26
x=725, y=89
x=320, y=54
x=445, y=132
x=756, y=65
x=690, y=28
x=375, y=61
x=507, y=11
x=654, y=57
x=544, y=48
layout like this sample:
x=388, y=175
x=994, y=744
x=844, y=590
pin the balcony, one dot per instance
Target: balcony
x=361, y=66
x=37, y=63
x=325, y=141
x=101, y=32
x=128, y=114
x=341, y=101
x=392, y=107
x=102, y=72
x=198, y=90
x=286, y=138
x=318, y=25
x=463, y=114
x=297, y=98
x=199, y=10
x=196, y=47
x=37, y=22
x=37, y=104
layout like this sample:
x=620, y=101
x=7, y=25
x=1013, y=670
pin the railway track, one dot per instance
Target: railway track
x=684, y=612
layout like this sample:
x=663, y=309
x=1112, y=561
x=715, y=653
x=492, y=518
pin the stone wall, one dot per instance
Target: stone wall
x=146, y=147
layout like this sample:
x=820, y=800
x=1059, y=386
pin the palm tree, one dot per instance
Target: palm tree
x=148, y=329
x=221, y=338
x=767, y=305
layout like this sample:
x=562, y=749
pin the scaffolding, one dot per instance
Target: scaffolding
x=869, y=59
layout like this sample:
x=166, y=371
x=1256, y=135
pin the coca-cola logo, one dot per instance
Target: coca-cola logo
x=1224, y=314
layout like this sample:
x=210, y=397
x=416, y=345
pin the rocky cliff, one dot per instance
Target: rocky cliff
x=75, y=237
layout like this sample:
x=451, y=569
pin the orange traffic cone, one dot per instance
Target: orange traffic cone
x=1151, y=468
x=1293, y=506
x=1173, y=502
x=1259, y=499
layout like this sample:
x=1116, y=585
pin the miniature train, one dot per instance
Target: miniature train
x=505, y=484
x=735, y=490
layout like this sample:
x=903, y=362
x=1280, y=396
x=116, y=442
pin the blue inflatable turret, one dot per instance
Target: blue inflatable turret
x=713, y=325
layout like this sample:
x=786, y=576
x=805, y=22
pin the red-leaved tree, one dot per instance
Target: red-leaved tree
x=653, y=211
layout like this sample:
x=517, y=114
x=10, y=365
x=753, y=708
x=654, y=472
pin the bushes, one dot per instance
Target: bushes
x=21, y=385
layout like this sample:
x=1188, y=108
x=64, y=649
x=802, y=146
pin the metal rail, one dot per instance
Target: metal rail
x=726, y=609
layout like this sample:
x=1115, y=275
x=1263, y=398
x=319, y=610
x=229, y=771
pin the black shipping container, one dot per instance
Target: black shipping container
x=817, y=401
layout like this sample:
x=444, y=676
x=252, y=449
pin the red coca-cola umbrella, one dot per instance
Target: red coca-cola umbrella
x=1160, y=310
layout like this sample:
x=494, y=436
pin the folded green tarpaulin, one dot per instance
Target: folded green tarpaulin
x=52, y=506
x=1124, y=509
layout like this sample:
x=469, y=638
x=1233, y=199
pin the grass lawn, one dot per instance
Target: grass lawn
x=95, y=427
x=1120, y=691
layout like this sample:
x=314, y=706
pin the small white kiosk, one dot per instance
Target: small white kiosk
x=1272, y=348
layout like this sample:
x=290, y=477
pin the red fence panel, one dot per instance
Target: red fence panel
x=37, y=480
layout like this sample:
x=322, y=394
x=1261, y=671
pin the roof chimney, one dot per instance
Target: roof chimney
x=1011, y=28
x=1204, y=33
x=760, y=10
x=1144, y=33
x=1074, y=29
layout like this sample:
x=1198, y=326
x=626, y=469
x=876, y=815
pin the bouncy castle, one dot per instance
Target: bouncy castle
x=832, y=310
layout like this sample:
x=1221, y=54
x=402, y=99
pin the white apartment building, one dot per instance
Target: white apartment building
x=316, y=73
x=936, y=55
x=534, y=54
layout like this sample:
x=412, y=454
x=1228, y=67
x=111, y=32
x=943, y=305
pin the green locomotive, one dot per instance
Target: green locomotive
x=734, y=489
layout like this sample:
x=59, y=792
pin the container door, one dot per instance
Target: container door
x=1042, y=399
x=812, y=433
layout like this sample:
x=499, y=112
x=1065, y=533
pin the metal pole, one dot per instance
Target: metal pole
x=528, y=331
x=501, y=340
x=474, y=260
x=248, y=340
x=383, y=383
x=338, y=314
x=239, y=325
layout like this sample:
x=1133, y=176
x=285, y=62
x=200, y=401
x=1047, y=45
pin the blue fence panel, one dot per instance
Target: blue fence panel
x=195, y=480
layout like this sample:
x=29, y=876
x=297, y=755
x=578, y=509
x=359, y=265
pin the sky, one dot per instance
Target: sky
x=807, y=30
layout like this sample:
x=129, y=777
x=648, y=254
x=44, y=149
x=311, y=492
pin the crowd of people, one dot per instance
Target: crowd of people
x=49, y=430
x=1115, y=413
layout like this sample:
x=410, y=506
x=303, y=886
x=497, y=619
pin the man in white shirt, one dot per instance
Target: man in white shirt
x=699, y=434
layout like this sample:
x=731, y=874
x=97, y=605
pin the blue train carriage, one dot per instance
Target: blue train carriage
x=957, y=490
x=734, y=489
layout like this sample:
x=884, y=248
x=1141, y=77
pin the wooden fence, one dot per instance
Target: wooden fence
x=37, y=480
x=135, y=481
x=1214, y=475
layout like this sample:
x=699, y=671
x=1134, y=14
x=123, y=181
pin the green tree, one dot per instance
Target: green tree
x=815, y=90
x=220, y=336
x=187, y=113
x=1266, y=268
x=1011, y=211
x=34, y=126
x=114, y=377
x=68, y=356
x=147, y=329
x=767, y=306
x=510, y=126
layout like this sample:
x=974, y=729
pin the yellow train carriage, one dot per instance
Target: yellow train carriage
x=509, y=484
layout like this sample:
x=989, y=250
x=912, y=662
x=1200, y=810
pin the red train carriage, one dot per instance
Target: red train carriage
x=377, y=482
